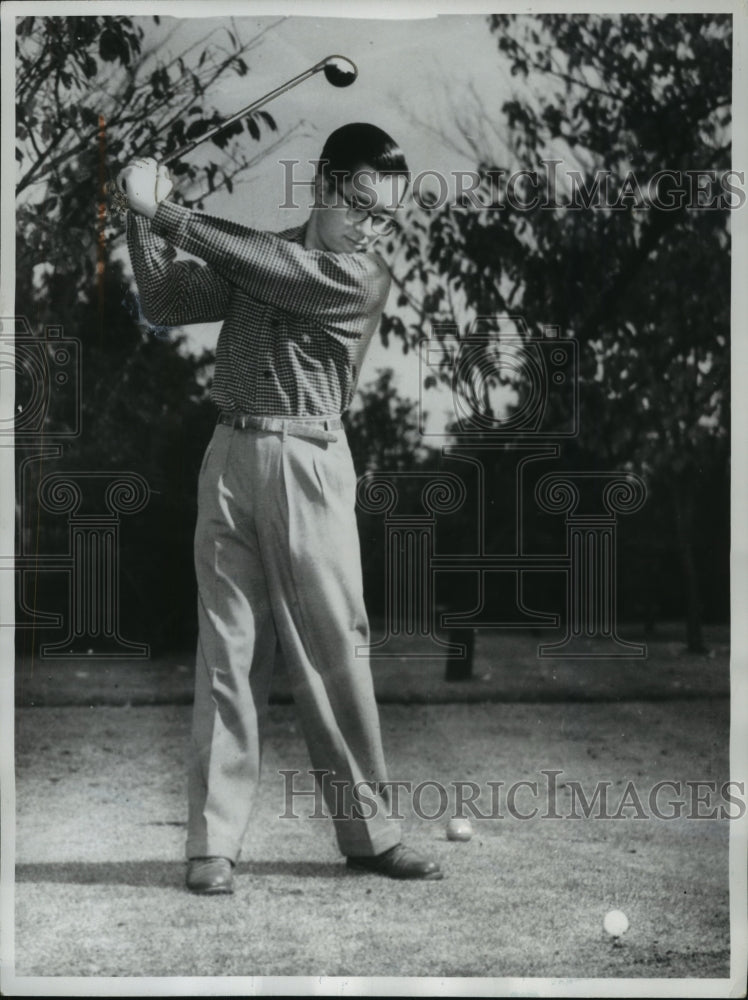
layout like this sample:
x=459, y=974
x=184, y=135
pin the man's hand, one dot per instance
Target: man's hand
x=145, y=184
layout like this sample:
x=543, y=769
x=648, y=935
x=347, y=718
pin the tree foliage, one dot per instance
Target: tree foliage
x=91, y=94
x=646, y=290
x=640, y=276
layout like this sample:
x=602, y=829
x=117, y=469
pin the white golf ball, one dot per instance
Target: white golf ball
x=616, y=923
x=459, y=829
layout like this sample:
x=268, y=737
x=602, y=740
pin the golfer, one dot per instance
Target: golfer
x=276, y=544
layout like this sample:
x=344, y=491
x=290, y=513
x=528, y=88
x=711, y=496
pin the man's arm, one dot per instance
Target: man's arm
x=344, y=291
x=172, y=292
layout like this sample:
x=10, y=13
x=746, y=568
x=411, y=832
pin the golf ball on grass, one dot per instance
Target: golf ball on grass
x=616, y=923
x=459, y=829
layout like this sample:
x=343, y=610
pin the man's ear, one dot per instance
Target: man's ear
x=319, y=187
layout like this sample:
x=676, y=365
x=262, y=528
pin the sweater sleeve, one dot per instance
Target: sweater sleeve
x=173, y=292
x=343, y=291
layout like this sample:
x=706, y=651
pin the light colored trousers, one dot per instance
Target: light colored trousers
x=278, y=567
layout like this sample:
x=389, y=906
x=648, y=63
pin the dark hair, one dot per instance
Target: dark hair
x=359, y=144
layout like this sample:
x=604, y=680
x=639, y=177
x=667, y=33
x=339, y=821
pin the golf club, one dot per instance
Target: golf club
x=339, y=71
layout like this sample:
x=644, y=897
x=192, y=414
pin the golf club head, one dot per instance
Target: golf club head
x=340, y=72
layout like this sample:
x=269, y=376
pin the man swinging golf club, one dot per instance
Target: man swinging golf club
x=276, y=545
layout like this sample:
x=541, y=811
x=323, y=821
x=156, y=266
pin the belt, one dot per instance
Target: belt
x=313, y=428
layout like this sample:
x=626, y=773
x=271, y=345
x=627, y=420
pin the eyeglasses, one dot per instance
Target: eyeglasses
x=381, y=224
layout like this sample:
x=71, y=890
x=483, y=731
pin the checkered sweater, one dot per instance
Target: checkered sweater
x=296, y=322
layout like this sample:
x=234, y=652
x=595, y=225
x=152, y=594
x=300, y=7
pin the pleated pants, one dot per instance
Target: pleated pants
x=278, y=568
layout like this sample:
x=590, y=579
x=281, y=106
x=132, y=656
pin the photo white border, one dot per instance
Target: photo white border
x=13, y=985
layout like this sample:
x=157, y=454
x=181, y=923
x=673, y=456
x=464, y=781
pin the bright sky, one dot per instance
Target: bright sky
x=413, y=77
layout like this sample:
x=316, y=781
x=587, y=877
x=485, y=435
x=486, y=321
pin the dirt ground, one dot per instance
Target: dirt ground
x=99, y=875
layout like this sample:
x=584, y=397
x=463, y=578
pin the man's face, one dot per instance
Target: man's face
x=361, y=211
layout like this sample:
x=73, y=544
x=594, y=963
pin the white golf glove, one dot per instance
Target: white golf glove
x=145, y=183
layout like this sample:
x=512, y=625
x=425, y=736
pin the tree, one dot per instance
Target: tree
x=93, y=92
x=640, y=276
x=383, y=428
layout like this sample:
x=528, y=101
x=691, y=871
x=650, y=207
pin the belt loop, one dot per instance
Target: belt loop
x=284, y=432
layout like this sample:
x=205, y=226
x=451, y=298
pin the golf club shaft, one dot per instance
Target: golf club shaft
x=254, y=106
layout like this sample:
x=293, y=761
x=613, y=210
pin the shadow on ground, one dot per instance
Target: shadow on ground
x=163, y=874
